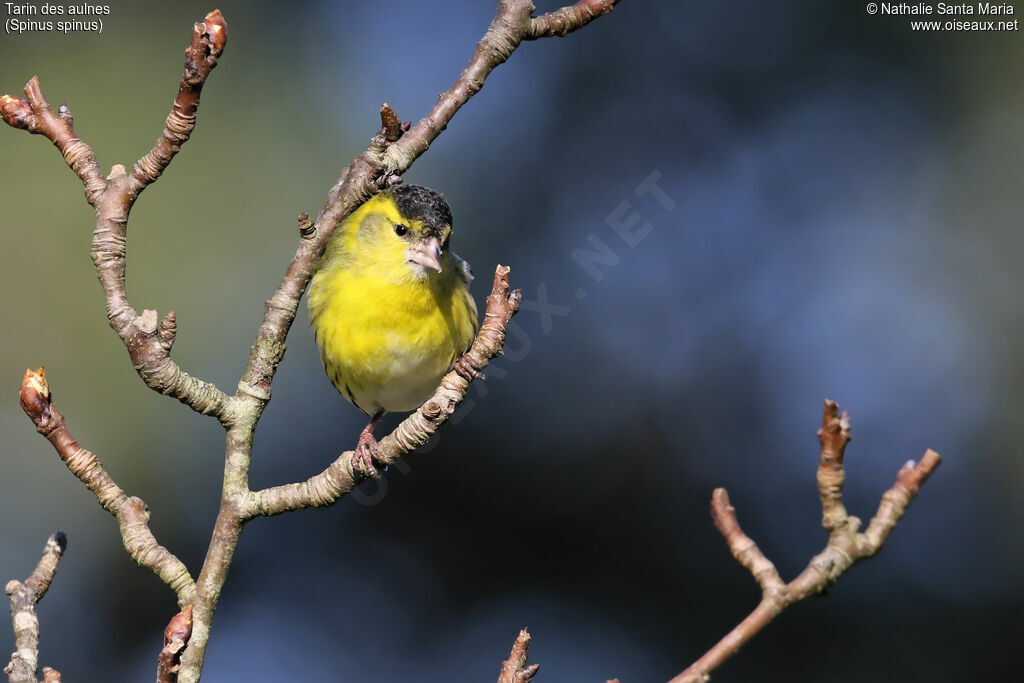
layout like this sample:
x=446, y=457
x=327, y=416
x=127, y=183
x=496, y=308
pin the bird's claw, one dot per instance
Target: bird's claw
x=363, y=459
x=465, y=367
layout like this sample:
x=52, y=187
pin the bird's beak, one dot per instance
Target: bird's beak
x=426, y=253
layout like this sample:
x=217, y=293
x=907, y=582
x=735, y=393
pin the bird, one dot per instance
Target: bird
x=390, y=306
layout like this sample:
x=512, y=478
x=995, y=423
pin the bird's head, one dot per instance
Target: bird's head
x=407, y=224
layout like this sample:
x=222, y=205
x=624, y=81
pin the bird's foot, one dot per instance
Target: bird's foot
x=466, y=368
x=363, y=459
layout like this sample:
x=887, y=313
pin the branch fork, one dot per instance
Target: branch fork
x=846, y=544
x=24, y=596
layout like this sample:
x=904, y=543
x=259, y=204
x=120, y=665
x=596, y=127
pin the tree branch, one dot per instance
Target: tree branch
x=846, y=546
x=148, y=342
x=35, y=116
x=340, y=477
x=568, y=19
x=208, y=40
x=131, y=513
x=24, y=596
x=514, y=669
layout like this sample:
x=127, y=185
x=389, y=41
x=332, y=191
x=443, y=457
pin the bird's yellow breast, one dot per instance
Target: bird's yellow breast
x=386, y=333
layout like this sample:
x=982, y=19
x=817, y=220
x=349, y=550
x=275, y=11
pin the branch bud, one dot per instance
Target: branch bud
x=390, y=124
x=35, y=395
x=179, y=629
x=15, y=111
x=306, y=227
x=217, y=30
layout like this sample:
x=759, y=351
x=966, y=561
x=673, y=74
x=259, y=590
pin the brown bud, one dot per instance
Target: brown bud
x=217, y=29
x=180, y=627
x=35, y=395
x=390, y=123
x=15, y=111
x=306, y=227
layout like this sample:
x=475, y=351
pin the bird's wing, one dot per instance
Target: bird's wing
x=465, y=273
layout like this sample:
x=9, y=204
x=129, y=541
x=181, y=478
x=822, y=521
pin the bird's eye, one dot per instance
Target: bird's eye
x=401, y=230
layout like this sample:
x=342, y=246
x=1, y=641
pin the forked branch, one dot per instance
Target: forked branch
x=24, y=596
x=147, y=339
x=846, y=544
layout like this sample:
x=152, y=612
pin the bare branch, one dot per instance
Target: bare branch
x=846, y=546
x=743, y=548
x=35, y=116
x=148, y=343
x=24, y=596
x=340, y=477
x=208, y=40
x=833, y=435
x=176, y=637
x=131, y=513
x=514, y=669
x=513, y=23
x=895, y=501
x=568, y=19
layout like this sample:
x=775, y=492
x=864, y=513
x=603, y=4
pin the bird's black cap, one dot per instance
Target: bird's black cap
x=423, y=204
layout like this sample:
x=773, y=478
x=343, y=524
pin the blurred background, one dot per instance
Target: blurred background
x=837, y=216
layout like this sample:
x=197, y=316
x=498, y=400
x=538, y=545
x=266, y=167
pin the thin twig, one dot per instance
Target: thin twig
x=208, y=40
x=131, y=513
x=24, y=596
x=514, y=669
x=564, y=21
x=35, y=116
x=846, y=545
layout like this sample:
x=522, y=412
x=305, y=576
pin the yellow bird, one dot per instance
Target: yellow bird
x=390, y=305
